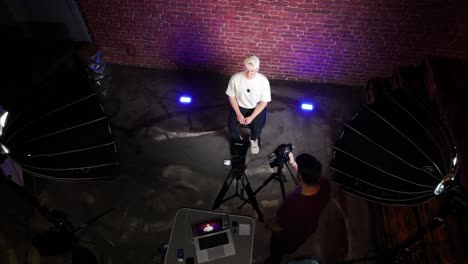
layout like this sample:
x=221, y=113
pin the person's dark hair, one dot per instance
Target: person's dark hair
x=309, y=168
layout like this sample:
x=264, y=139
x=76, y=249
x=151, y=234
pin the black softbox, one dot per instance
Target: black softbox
x=66, y=141
x=395, y=151
x=56, y=127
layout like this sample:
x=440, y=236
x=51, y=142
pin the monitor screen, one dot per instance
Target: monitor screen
x=208, y=226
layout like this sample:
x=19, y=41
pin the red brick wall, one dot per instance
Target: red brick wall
x=335, y=41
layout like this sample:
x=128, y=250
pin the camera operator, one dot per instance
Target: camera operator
x=297, y=217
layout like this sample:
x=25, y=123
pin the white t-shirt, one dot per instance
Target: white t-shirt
x=249, y=92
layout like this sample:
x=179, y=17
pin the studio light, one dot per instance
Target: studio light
x=3, y=121
x=184, y=99
x=306, y=106
x=4, y=150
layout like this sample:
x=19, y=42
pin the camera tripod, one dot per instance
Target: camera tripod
x=279, y=177
x=242, y=184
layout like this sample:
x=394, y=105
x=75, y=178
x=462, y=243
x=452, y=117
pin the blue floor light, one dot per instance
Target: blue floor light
x=185, y=99
x=307, y=106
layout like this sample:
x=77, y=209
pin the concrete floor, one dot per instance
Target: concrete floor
x=172, y=157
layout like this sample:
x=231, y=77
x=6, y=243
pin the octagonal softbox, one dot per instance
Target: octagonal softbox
x=395, y=151
x=64, y=139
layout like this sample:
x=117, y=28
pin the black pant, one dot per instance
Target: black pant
x=255, y=127
x=278, y=248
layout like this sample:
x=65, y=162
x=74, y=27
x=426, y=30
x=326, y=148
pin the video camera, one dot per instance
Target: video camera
x=280, y=155
x=238, y=149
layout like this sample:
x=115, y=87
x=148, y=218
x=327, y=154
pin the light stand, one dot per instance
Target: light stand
x=62, y=236
x=458, y=203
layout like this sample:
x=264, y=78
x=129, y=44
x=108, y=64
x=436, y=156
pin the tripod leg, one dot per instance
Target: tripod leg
x=223, y=191
x=242, y=180
x=252, y=199
x=265, y=183
x=92, y=220
x=283, y=191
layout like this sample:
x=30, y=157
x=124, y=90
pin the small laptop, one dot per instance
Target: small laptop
x=213, y=239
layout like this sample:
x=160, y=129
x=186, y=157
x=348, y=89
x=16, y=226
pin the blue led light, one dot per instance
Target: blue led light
x=185, y=99
x=307, y=106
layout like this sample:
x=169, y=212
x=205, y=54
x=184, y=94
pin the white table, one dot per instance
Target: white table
x=182, y=237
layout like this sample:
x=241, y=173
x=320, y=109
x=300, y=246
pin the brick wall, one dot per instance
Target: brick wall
x=334, y=41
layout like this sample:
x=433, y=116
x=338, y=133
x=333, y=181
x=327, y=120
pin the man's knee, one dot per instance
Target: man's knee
x=256, y=128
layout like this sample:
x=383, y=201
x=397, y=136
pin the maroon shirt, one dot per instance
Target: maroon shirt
x=299, y=214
